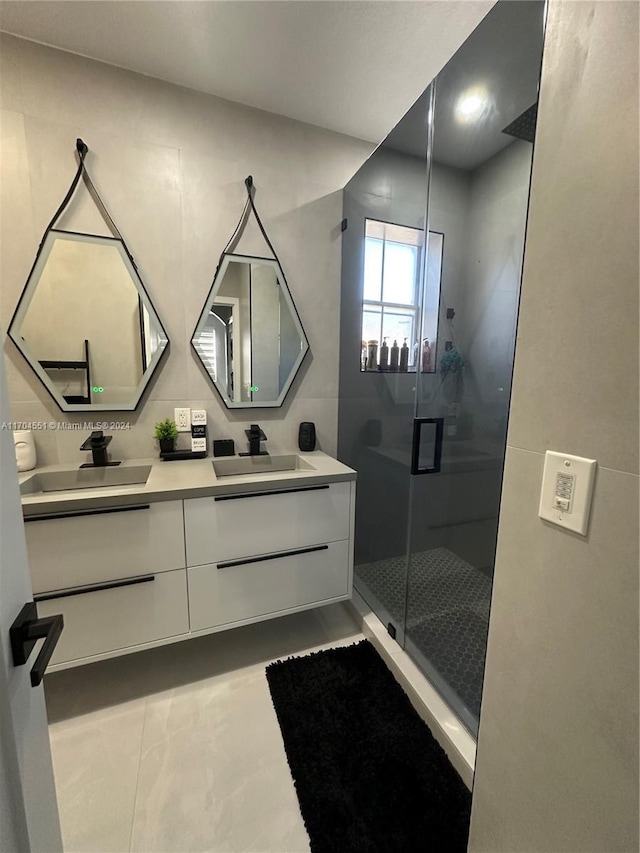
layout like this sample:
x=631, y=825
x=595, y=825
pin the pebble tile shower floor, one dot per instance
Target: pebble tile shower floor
x=448, y=613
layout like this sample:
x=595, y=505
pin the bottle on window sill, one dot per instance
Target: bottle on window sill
x=384, y=355
x=394, y=357
x=372, y=358
x=426, y=356
x=404, y=357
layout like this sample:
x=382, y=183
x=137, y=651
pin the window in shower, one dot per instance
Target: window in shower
x=390, y=305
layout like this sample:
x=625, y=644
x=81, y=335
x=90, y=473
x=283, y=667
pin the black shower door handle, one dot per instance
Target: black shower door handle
x=418, y=423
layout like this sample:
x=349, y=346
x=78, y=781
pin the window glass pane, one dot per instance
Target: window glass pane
x=371, y=323
x=372, y=269
x=432, y=290
x=399, y=273
x=398, y=325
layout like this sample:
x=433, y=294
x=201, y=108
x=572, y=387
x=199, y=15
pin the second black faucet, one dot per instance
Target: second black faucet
x=255, y=435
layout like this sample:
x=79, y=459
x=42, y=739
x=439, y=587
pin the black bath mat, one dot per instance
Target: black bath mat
x=369, y=775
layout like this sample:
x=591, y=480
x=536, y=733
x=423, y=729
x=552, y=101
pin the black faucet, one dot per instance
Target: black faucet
x=97, y=444
x=255, y=436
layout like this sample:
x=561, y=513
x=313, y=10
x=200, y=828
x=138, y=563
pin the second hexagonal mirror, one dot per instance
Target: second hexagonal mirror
x=249, y=336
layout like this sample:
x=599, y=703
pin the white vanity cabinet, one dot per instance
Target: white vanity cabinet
x=117, y=575
x=149, y=572
x=99, y=620
x=91, y=546
x=225, y=527
x=255, y=555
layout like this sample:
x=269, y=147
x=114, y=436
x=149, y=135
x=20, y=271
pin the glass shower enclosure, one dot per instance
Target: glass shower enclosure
x=431, y=265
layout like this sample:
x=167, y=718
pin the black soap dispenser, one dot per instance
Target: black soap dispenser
x=307, y=437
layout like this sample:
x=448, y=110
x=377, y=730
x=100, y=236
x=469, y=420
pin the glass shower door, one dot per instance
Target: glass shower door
x=383, y=256
x=480, y=166
x=433, y=240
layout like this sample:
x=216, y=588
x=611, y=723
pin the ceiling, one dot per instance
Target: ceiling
x=353, y=66
x=502, y=60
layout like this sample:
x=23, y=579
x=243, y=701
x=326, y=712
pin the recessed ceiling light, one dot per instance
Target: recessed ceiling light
x=471, y=105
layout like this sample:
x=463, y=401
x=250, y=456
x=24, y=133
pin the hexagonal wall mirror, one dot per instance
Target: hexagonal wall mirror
x=86, y=325
x=249, y=336
x=85, y=322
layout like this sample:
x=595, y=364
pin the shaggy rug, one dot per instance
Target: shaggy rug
x=369, y=775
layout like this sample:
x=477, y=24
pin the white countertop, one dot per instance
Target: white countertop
x=178, y=480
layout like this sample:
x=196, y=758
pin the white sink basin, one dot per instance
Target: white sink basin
x=237, y=465
x=85, y=478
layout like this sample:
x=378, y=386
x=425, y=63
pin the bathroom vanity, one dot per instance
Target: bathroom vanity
x=184, y=551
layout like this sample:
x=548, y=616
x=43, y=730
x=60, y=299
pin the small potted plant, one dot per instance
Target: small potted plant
x=166, y=432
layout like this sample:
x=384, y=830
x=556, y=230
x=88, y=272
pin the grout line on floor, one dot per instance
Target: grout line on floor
x=135, y=795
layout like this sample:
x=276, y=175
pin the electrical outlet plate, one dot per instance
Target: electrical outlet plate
x=182, y=417
x=567, y=491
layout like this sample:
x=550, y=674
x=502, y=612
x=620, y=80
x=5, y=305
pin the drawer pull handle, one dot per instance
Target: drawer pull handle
x=86, y=512
x=268, y=494
x=26, y=630
x=99, y=587
x=232, y=563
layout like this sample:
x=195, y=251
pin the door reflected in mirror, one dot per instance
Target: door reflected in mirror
x=86, y=325
x=249, y=337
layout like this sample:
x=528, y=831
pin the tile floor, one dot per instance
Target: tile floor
x=178, y=749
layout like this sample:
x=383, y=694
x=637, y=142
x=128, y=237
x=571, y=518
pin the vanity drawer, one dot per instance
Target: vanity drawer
x=88, y=547
x=233, y=526
x=233, y=591
x=103, y=620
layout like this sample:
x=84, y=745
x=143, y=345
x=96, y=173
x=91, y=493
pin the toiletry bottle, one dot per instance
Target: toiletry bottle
x=372, y=359
x=384, y=355
x=404, y=357
x=426, y=356
x=363, y=356
x=394, y=356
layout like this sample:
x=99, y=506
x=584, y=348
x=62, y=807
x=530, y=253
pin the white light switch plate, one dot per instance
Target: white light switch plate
x=567, y=490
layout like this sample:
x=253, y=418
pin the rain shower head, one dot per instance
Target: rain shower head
x=524, y=127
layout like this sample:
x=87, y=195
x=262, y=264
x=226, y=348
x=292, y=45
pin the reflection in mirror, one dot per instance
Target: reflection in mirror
x=86, y=325
x=249, y=336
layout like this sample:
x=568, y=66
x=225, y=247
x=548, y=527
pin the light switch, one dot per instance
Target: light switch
x=567, y=490
x=562, y=503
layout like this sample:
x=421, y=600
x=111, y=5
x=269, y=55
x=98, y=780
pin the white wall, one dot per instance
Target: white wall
x=170, y=165
x=557, y=763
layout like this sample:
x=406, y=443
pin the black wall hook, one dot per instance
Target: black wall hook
x=249, y=182
x=81, y=147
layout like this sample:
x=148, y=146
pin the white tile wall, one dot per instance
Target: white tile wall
x=170, y=165
x=557, y=763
